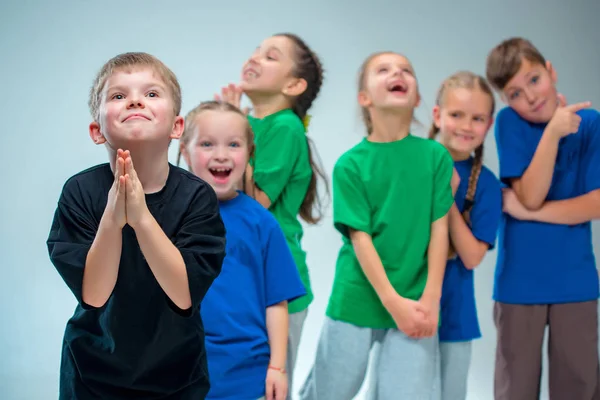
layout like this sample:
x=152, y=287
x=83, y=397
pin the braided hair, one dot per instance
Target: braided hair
x=467, y=80
x=307, y=66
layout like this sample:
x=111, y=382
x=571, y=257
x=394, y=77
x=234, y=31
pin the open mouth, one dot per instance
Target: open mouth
x=220, y=173
x=464, y=137
x=250, y=73
x=398, y=87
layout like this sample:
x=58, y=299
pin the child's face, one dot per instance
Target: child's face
x=268, y=70
x=218, y=151
x=389, y=82
x=532, y=92
x=463, y=119
x=136, y=107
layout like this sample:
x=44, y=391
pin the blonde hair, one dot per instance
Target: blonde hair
x=471, y=81
x=129, y=62
x=366, y=116
x=192, y=117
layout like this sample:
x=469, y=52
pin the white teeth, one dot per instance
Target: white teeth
x=221, y=169
x=251, y=74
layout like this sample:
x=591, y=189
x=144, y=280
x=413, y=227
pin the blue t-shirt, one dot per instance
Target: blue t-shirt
x=541, y=263
x=458, y=309
x=258, y=272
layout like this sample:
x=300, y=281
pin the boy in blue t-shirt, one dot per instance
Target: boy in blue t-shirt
x=549, y=155
x=245, y=312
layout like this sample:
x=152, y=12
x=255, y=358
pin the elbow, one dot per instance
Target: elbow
x=532, y=204
x=93, y=302
x=474, y=258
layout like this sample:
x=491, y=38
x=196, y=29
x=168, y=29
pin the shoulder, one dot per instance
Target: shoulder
x=350, y=159
x=286, y=124
x=94, y=180
x=488, y=182
x=193, y=190
x=262, y=217
x=435, y=151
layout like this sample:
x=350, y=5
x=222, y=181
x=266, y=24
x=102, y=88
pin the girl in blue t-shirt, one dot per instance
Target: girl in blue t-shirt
x=462, y=117
x=245, y=311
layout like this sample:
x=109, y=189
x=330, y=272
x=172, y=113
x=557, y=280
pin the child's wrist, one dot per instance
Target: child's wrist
x=275, y=368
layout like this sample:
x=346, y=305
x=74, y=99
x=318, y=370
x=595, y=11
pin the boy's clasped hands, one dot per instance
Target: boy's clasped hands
x=126, y=198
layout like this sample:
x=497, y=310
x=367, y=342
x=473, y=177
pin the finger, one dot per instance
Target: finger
x=128, y=185
x=246, y=110
x=562, y=101
x=122, y=187
x=218, y=97
x=579, y=106
x=130, y=169
x=269, y=391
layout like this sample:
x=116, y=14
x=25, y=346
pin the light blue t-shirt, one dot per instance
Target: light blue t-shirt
x=258, y=272
x=542, y=263
x=458, y=309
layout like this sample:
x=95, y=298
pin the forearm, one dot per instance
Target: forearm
x=102, y=264
x=253, y=191
x=277, y=330
x=576, y=210
x=437, y=254
x=165, y=261
x=470, y=249
x=370, y=262
x=532, y=188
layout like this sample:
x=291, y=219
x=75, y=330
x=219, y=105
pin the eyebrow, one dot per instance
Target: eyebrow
x=121, y=88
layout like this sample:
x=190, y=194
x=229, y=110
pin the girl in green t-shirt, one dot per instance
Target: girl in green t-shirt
x=391, y=196
x=282, y=79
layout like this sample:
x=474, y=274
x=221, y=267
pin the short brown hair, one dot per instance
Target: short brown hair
x=128, y=62
x=504, y=61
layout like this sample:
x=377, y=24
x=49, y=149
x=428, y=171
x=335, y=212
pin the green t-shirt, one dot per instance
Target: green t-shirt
x=282, y=170
x=394, y=192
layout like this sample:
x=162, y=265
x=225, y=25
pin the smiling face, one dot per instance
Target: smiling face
x=463, y=117
x=217, y=150
x=136, y=107
x=532, y=92
x=388, y=81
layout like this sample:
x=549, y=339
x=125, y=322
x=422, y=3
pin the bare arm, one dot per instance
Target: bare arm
x=165, y=261
x=470, y=249
x=576, y=210
x=253, y=191
x=277, y=330
x=102, y=264
x=532, y=188
x=437, y=254
x=371, y=264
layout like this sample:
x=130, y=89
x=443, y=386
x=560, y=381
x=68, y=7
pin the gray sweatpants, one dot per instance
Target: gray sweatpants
x=294, y=335
x=455, y=359
x=404, y=368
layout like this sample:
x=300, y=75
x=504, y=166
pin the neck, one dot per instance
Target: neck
x=265, y=105
x=152, y=168
x=458, y=155
x=390, y=126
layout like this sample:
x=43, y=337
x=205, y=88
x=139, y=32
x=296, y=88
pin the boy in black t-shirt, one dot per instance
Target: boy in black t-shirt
x=139, y=242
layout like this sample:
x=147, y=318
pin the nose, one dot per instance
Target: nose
x=220, y=153
x=529, y=96
x=136, y=101
x=467, y=125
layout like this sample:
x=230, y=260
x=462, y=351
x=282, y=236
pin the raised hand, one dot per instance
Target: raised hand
x=115, y=205
x=135, y=204
x=565, y=120
x=232, y=94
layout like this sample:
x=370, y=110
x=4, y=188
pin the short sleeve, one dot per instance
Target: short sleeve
x=277, y=150
x=72, y=233
x=282, y=280
x=591, y=158
x=442, y=189
x=487, y=210
x=201, y=241
x=514, y=154
x=351, y=209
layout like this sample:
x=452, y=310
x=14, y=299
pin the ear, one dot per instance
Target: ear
x=490, y=123
x=295, y=88
x=437, y=117
x=552, y=71
x=178, y=126
x=363, y=99
x=418, y=102
x=95, y=133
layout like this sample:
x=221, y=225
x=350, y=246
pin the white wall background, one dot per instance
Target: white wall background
x=50, y=52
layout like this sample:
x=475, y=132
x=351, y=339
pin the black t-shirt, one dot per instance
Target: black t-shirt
x=139, y=344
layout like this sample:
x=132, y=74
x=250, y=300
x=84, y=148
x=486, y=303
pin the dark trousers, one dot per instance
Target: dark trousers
x=574, y=372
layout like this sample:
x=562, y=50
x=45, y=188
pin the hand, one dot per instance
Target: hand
x=135, y=205
x=432, y=313
x=455, y=182
x=115, y=205
x=513, y=207
x=232, y=94
x=565, y=120
x=409, y=315
x=276, y=385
